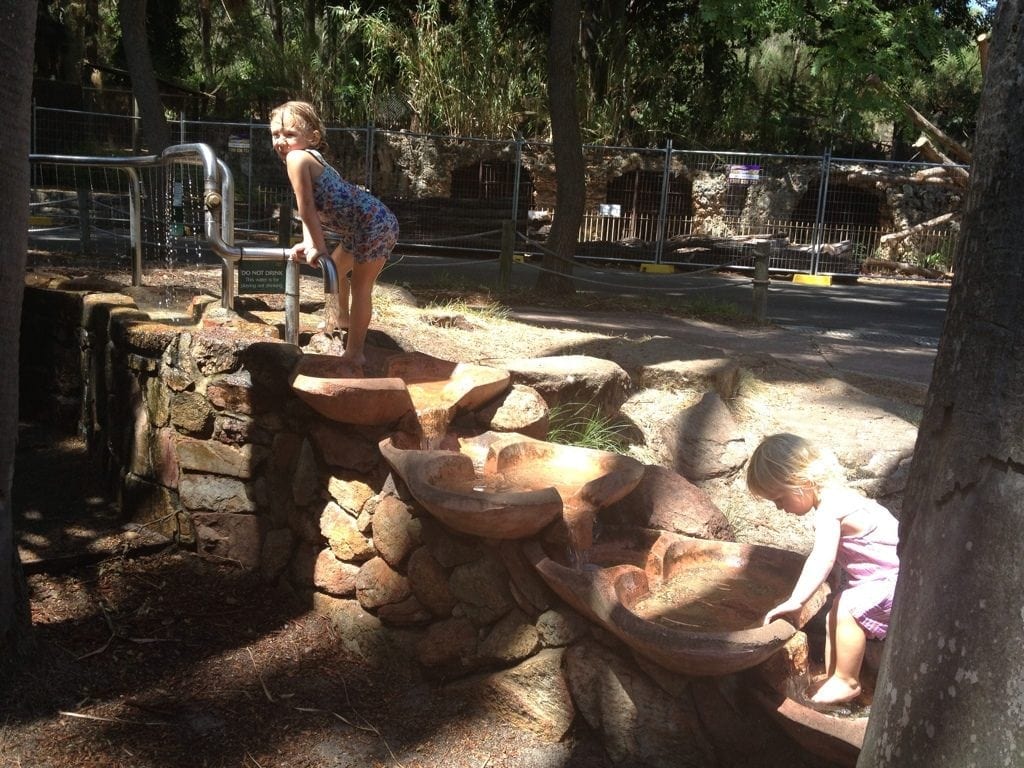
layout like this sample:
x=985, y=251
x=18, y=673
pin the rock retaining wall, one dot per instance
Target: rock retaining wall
x=196, y=427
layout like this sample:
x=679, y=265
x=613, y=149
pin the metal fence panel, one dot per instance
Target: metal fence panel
x=685, y=208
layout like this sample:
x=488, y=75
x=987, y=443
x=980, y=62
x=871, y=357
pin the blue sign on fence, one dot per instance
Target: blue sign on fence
x=744, y=174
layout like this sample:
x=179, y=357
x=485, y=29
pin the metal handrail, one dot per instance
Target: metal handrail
x=218, y=188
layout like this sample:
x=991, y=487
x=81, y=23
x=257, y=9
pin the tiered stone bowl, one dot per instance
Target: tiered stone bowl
x=690, y=605
x=509, y=486
x=781, y=687
x=383, y=392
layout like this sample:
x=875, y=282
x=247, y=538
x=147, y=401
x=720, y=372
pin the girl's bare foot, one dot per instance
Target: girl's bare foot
x=836, y=691
x=355, y=362
x=339, y=325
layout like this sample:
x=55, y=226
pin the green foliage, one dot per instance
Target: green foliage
x=948, y=92
x=941, y=261
x=585, y=426
x=824, y=99
x=472, y=74
x=769, y=75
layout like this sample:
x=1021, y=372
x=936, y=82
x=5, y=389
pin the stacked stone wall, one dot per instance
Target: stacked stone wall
x=198, y=429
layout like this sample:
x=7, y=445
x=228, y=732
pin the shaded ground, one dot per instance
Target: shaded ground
x=150, y=656
x=169, y=660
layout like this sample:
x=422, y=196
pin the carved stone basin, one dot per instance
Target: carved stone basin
x=509, y=486
x=781, y=684
x=690, y=605
x=390, y=387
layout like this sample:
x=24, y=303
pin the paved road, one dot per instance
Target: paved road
x=910, y=314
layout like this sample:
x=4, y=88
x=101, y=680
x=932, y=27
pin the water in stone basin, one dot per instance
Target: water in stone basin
x=800, y=688
x=492, y=483
x=701, y=597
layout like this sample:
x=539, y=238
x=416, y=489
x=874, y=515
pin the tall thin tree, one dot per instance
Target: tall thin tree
x=951, y=691
x=17, y=33
x=132, y=14
x=568, y=147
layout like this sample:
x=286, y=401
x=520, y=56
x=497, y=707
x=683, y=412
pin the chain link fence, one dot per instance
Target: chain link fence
x=679, y=208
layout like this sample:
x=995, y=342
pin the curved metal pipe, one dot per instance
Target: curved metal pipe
x=330, y=271
x=218, y=186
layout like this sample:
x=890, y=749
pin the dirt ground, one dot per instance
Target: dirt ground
x=146, y=655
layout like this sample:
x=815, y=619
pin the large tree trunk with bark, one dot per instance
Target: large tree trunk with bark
x=568, y=147
x=132, y=14
x=951, y=691
x=18, y=19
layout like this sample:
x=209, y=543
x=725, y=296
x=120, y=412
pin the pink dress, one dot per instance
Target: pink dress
x=868, y=561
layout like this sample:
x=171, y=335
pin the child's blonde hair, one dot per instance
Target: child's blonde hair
x=305, y=115
x=787, y=462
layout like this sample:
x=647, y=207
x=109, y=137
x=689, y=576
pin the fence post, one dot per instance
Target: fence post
x=136, y=120
x=508, y=239
x=659, y=245
x=517, y=179
x=371, y=137
x=760, y=281
x=284, y=222
x=818, y=238
x=249, y=169
x=84, y=223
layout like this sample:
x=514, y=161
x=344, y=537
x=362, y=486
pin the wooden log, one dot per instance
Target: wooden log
x=938, y=177
x=928, y=150
x=931, y=173
x=903, y=234
x=837, y=249
x=901, y=267
x=956, y=150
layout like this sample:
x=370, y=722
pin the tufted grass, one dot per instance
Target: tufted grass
x=584, y=426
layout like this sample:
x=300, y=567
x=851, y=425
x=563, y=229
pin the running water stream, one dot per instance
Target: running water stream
x=181, y=229
x=434, y=422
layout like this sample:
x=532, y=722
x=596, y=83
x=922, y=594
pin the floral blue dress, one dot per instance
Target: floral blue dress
x=365, y=226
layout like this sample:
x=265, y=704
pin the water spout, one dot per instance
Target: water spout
x=579, y=523
x=433, y=426
x=330, y=275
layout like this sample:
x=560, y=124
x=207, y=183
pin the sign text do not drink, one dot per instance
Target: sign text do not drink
x=261, y=277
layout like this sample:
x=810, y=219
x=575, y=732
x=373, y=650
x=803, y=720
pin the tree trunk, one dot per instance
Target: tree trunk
x=16, y=42
x=206, y=44
x=568, y=147
x=132, y=14
x=983, y=42
x=951, y=691
x=277, y=16
x=91, y=32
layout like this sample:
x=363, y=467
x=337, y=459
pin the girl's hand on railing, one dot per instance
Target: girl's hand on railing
x=303, y=252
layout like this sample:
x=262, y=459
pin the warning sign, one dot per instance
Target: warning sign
x=261, y=277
